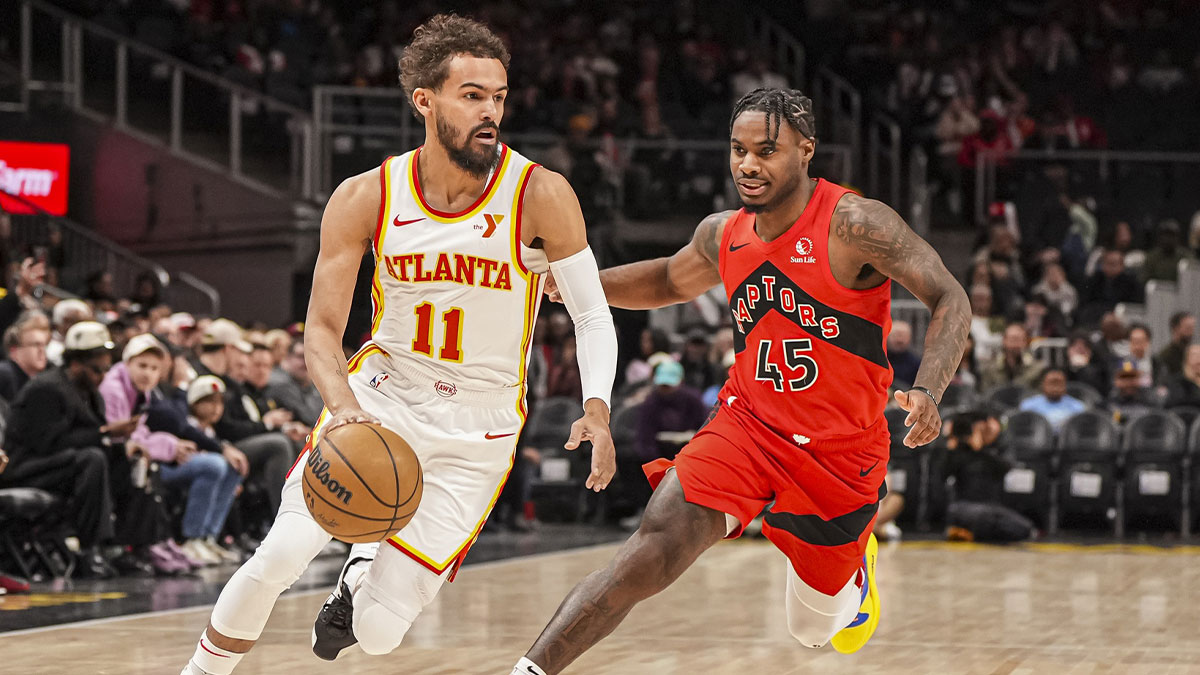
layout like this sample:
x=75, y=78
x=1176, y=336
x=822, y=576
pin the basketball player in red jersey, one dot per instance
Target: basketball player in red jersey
x=807, y=266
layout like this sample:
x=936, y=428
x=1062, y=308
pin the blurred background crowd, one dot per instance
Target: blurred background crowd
x=168, y=434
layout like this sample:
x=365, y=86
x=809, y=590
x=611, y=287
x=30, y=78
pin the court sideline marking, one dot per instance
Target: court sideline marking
x=1033, y=547
x=86, y=623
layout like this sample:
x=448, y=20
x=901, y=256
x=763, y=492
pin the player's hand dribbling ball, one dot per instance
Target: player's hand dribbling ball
x=362, y=483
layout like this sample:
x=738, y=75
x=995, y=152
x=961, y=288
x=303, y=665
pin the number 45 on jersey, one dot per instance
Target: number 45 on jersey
x=794, y=357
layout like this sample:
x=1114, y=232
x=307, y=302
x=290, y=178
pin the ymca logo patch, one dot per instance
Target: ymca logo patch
x=804, y=249
x=379, y=379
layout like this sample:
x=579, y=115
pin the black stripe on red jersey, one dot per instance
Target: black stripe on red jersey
x=767, y=288
x=812, y=529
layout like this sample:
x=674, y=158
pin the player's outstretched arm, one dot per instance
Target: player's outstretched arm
x=884, y=241
x=347, y=231
x=685, y=276
x=554, y=217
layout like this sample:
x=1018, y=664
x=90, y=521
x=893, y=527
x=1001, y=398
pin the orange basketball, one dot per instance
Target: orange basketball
x=362, y=483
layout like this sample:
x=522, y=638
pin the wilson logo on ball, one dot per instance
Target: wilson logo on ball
x=320, y=470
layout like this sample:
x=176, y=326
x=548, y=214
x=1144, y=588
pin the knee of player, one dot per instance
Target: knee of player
x=275, y=565
x=813, y=635
x=379, y=630
x=812, y=629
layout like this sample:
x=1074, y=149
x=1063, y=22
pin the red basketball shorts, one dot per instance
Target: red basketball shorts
x=825, y=494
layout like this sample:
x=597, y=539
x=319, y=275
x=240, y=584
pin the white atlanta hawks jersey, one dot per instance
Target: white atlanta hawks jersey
x=455, y=294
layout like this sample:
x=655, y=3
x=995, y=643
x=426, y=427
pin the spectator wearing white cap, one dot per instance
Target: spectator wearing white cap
x=57, y=440
x=181, y=331
x=65, y=314
x=260, y=436
x=129, y=389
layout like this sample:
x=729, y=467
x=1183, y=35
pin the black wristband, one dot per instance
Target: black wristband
x=925, y=391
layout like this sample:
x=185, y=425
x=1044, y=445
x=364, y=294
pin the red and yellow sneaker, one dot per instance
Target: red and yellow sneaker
x=852, y=638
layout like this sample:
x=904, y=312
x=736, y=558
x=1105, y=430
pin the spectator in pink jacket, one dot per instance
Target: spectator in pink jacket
x=210, y=481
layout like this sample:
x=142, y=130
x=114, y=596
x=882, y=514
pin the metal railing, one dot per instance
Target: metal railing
x=84, y=253
x=884, y=159
x=356, y=128
x=1097, y=167
x=837, y=106
x=254, y=139
x=916, y=314
x=786, y=50
x=920, y=201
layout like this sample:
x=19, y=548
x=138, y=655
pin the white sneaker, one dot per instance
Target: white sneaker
x=889, y=532
x=223, y=554
x=197, y=550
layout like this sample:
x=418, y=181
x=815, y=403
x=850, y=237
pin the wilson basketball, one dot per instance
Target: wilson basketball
x=362, y=483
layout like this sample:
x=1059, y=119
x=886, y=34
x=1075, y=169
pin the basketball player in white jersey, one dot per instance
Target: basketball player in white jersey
x=461, y=230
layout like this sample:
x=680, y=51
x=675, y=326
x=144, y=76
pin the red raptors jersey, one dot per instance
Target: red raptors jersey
x=811, y=354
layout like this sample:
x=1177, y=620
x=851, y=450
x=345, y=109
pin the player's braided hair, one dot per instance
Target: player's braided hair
x=780, y=105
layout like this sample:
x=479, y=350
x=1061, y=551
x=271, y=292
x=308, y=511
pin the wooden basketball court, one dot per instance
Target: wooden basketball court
x=947, y=609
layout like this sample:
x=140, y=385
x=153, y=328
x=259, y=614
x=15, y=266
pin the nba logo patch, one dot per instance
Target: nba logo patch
x=379, y=379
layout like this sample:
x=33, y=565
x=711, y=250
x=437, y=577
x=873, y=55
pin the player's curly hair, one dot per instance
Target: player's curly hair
x=780, y=105
x=426, y=59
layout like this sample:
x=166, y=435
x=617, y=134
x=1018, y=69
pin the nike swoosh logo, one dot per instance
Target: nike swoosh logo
x=733, y=248
x=491, y=437
x=863, y=473
x=401, y=223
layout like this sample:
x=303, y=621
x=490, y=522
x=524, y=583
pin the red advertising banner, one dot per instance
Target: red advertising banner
x=36, y=172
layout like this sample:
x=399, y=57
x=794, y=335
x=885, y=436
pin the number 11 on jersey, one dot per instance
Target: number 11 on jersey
x=451, y=337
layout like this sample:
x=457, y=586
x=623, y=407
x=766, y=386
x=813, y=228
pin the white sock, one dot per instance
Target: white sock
x=527, y=667
x=210, y=659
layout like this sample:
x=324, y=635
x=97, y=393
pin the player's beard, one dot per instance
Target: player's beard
x=794, y=178
x=477, y=162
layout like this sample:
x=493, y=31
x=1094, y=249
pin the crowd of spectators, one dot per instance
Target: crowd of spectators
x=166, y=436
x=966, y=77
x=591, y=73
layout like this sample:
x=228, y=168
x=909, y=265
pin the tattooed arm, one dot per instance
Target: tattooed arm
x=880, y=238
x=347, y=230
x=649, y=284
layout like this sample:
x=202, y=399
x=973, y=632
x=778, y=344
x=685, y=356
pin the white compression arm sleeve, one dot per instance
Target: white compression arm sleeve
x=578, y=279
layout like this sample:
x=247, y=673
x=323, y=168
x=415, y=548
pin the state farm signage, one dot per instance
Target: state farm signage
x=36, y=172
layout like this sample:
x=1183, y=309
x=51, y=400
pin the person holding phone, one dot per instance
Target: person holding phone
x=129, y=390
x=58, y=440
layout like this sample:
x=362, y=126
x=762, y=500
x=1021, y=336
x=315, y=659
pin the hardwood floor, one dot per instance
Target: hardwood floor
x=946, y=609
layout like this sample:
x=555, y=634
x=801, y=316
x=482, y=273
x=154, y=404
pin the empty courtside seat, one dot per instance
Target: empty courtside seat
x=1089, y=461
x=1187, y=414
x=1009, y=396
x=1086, y=393
x=906, y=469
x=1155, y=448
x=624, y=429
x=558, y=486
x=27, y=532
x=959, y=397
x=551, y=420
x=1028, y=486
